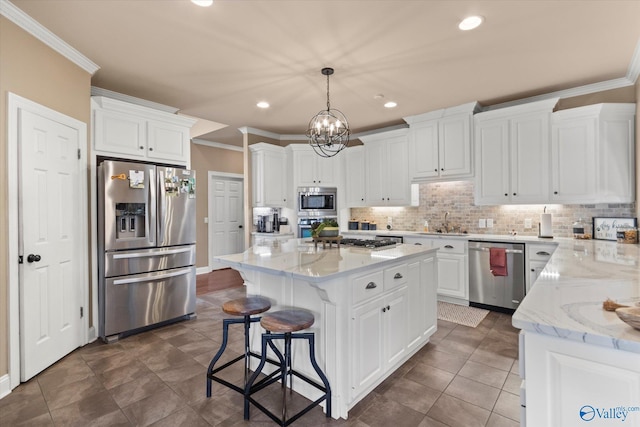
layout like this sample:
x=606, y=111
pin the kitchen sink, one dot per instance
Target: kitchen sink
x=432, y=233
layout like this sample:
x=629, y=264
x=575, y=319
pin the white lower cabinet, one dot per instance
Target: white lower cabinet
x=570, y=383
x=538, y=256
x=393, y=314
x=452, y=280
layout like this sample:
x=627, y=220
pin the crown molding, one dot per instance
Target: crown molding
x=253, y=131
x=98, y=91
x=634, y=66
x=33, y=27
x=216, y=145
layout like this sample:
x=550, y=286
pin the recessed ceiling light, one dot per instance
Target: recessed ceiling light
x=262, y=104
x=390, y=104
x=470, y=22
x=203, y=3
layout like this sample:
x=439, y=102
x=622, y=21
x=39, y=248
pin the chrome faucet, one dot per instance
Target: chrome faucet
x=446, y=222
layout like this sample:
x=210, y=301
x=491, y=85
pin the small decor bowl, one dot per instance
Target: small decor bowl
x=329, y=232
x=630, y=316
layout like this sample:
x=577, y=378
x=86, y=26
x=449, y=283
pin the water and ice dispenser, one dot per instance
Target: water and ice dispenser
x=130, y=220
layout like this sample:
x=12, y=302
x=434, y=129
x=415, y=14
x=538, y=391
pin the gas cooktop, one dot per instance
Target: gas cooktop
x=366, y=243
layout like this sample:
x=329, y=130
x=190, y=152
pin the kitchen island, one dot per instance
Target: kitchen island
x=373, y=308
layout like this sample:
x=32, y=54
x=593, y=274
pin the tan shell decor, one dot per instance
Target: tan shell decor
x=630, y=316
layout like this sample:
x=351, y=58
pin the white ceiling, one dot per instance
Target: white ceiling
x=216, y=63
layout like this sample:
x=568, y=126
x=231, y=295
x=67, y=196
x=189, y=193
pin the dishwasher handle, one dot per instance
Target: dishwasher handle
x=509, y=251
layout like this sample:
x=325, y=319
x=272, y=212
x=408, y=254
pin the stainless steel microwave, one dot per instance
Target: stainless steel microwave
x=317, y=201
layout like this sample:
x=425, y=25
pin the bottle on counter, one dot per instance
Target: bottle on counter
x=426, y=226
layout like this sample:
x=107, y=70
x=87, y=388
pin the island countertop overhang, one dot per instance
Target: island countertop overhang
x=300, y=259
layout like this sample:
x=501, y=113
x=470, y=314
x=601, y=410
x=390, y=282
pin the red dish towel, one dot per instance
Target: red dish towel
x=498, y=261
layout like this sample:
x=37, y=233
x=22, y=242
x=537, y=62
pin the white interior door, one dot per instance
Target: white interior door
x=50, y=240
x=226, y=216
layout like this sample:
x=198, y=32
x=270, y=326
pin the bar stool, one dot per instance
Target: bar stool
x=282, y=325
x=244, y=307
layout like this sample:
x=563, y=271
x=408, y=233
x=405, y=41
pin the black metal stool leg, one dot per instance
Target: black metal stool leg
x=325, y=381
x=223, y=346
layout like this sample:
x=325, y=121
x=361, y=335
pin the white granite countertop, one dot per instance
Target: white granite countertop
x=566, y=301
x=300, y=259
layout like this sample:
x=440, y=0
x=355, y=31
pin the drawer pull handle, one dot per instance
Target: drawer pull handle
x=448, y=247
x=398, y=276
x=371, y=285
x=543, y=253
x=418, y=243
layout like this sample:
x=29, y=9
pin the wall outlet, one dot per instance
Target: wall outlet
x=489, y=223
x=527, y=223
x=482, y=223
x=206, y=220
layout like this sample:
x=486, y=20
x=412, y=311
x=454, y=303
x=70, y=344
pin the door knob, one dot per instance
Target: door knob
x=33, y=258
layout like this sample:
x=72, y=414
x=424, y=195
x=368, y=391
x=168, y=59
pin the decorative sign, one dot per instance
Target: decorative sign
x=606, y=228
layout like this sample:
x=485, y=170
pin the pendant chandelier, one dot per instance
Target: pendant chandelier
x=328, y=130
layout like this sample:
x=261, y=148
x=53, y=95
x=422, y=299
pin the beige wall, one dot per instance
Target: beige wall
x=637, y=87
x=34, y=71
x=203, y=160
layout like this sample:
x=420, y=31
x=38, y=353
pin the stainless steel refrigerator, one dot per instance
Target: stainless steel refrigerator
x=146, y=244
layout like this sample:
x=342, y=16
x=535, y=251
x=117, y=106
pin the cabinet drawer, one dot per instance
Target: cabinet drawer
x=395, y=276
x=541, y=252
x=450, y=246
x=367, y=286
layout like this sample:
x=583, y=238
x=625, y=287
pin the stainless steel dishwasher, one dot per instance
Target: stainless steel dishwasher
x=489, y=291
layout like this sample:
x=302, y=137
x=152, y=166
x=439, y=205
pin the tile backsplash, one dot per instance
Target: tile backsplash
x=457, y=198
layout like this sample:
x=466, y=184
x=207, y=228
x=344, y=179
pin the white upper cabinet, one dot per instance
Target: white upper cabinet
x=354, y=166
x=268, y=175
x=312, y=170
x=512, y=154
x=387, y=178
x=440, y=144
x=592, y=152
x=140, y=133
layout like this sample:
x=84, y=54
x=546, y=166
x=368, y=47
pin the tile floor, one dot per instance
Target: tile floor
x=463, y=377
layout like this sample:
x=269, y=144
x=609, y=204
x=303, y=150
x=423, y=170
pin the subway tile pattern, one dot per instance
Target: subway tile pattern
x=457, y=198
x=462, y=377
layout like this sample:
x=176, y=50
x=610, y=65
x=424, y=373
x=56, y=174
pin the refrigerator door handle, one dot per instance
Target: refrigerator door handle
x=151, y=208
x=175, y=273
x=162, y=206
x=152, y=254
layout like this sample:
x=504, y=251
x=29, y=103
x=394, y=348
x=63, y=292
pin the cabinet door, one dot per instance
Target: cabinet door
x=274, y=185
x=326, y=170
x=395, y=326
x=451, y=276
x=305, y=167
x=573, y=163
x=529, y=145
x=455, y=146
x=119, y=133
x=367, y=345
x=416, y=305
x=375, y=172
x=166, y=141
x=492, y=162
x=616, y=160
x=397, y=175
x=355, y=176
x=424, y=150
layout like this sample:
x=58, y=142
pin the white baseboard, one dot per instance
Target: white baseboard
x=92, y=335
x=5, y=386
x=203, y=270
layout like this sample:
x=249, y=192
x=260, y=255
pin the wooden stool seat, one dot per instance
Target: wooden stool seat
x=284, y=321
x=246, y=306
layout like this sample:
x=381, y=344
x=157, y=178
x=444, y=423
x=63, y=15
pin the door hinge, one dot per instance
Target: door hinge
x=78, y=154
x=20, y=259
x=81, y=312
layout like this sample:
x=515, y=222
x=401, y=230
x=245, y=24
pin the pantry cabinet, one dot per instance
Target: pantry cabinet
x=268, y=176
x=512, y=154
x=135, y=132
x=312, y=170
x=440, y=144
x=354, y=166
x=592, y=152
x=387, y=177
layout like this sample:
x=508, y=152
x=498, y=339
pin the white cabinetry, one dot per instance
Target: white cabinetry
x=538, y=256
x=268, y=175
x=312, y=170
x=354, y=167
x=386, y=160
x=453, y=269
x=392, y=315
x=140, y=133
x=572, y=383
x=440, y=143
x=592, y=152
x=512, y=154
